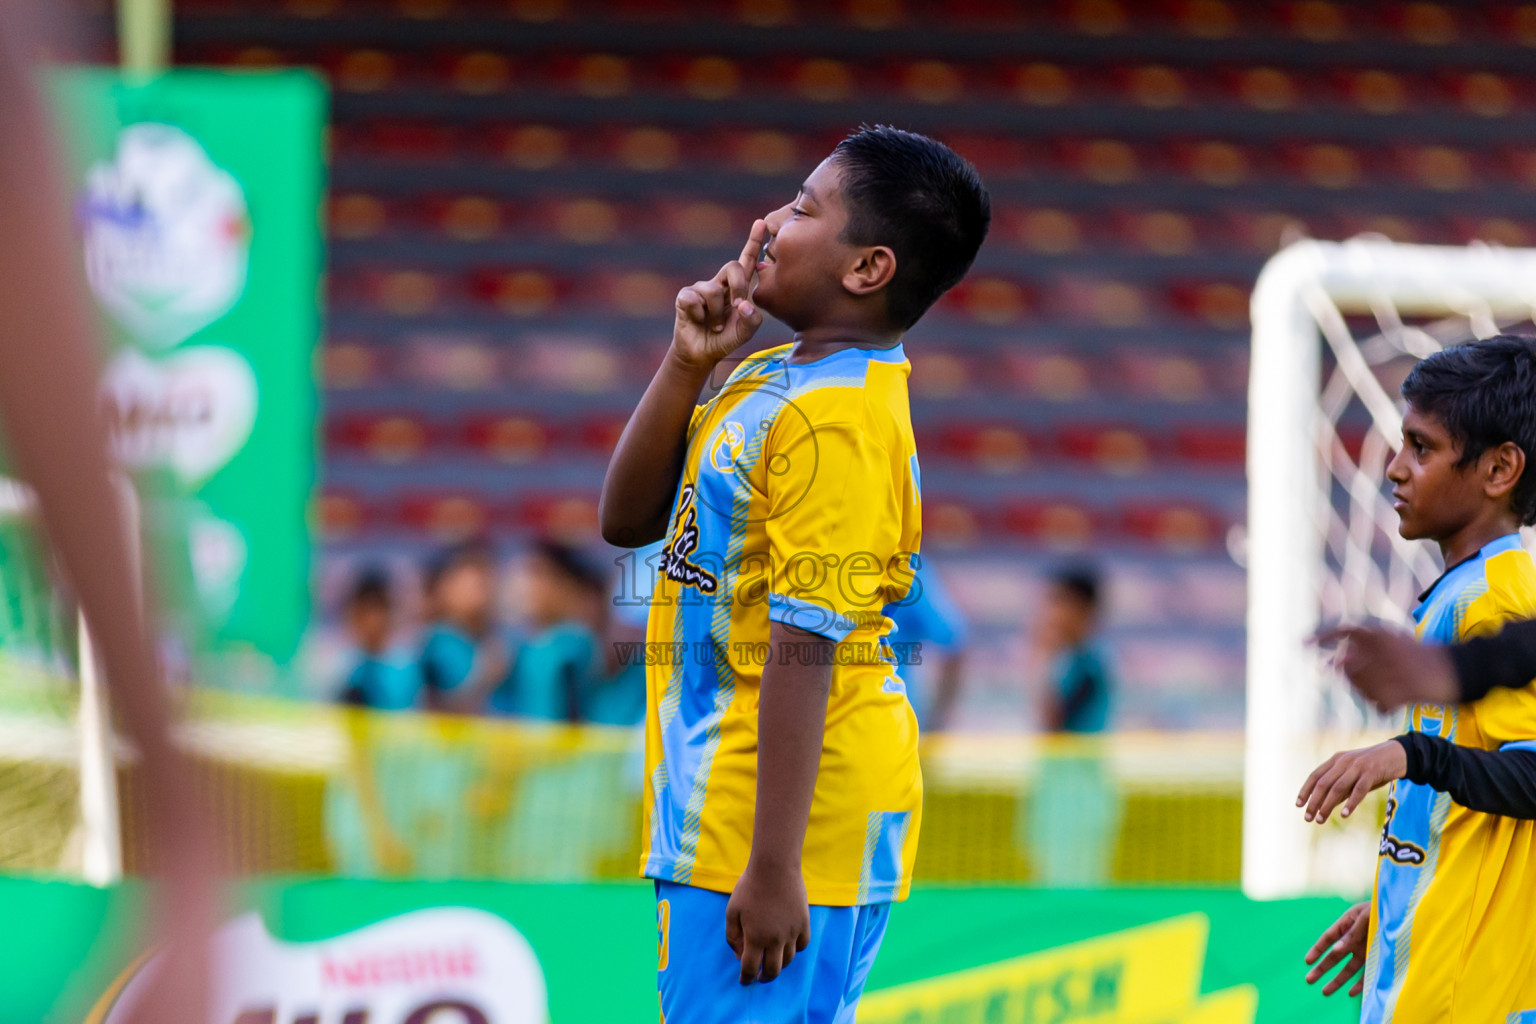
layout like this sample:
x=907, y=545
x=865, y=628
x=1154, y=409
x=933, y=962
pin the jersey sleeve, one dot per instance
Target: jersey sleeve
x=833, y=526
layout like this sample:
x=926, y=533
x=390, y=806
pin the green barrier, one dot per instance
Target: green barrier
x=982, y=955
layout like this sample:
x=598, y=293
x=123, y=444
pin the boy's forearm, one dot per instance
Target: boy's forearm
x=648, y=460
x=791, y=722
x=1506, y=659
x=1492, y=781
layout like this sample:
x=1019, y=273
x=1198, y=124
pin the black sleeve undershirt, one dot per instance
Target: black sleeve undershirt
x=1492, y=781
x=1506, y=659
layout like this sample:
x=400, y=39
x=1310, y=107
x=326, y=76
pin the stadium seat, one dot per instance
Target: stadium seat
x=509, y=439
x=1059, y=525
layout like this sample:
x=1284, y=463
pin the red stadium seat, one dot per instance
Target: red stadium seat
x=510, y=439
x=1042, y=84
x=1102, y=161
x=518, y=292
x=533, y=147
x=1161, y=376
x=570, y=517
x=990, y=300
x=1120, y=450
x=1216, y=163
x=1318, y=21
x=1173, y=526
x=383, y=437
x=1053, y=376
x=1426, y=24
x=1487, y=94
x=354, y=216
x=1217, y=444
x=451, y=362
x=1155, y=86
x=952, y=522
x=1061, y=524
x=1265, y=88
x=411, y=140
x=1222, y=305
x=997, y=447
x=445, y=516
x=600, y=434
x=344, y=514
x=350, y=364
x=937, y=373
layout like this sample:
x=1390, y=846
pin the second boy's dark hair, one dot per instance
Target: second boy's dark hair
x=1081, y=581
x=924, y=201
x=1484, y=392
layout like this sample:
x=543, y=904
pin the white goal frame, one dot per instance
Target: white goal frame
x=1286, y=481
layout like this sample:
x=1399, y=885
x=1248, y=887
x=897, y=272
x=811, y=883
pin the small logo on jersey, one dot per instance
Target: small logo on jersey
x=727, y=447
x=1399, y=851
x=674, y=557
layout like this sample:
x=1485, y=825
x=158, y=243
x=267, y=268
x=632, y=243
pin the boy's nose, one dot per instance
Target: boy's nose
x=776, y=219
x=1396, y=471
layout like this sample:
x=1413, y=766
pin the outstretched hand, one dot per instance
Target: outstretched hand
x=716, y=317
x=1345, y=937
x=1390, y=668
x=1346, y=778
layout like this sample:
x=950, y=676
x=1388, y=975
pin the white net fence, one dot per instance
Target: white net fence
x=1337, y=326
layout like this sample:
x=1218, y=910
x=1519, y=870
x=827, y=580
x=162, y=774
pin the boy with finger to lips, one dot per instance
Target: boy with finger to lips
x=782, y=792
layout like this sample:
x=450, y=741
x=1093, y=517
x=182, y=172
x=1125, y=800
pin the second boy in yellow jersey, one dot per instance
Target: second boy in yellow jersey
x=783, y=796
x=1448, y=934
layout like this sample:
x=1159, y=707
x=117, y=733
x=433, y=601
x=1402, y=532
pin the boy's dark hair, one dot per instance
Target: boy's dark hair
x=370, y=587
x=1081, y=581
x=475, y=549
x=1485, y=394
x=573, y=564
x=924, y=201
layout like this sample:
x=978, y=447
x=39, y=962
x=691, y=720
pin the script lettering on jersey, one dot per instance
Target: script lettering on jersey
x=674, y=557
x=1399, y=851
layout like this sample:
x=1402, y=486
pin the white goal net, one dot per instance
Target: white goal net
x=1336, y=327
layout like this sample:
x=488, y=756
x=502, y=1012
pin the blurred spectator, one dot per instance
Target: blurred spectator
x=558, y=667
x=929, y=618
x=464, y=653
x=1080, y=683
x=1074, y=803
x=619, y=697
x=381, y=676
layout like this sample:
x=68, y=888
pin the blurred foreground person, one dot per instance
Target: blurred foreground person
x=464, y=652
x=57, y=443
x=380, y=676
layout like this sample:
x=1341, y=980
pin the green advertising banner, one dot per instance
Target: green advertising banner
x=496, y=953
x=197, y=199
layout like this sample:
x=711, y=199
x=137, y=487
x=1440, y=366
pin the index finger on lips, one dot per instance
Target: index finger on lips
x=754, y=246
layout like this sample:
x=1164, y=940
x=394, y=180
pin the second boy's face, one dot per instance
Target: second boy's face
x=1433, y=496
x=799, y=275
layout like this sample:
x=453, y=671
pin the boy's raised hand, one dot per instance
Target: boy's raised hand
x=717, y=316
x=1347, y=777
x=1345, y=937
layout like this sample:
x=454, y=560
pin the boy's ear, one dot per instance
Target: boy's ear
x=1502, y=468
x=873, y=271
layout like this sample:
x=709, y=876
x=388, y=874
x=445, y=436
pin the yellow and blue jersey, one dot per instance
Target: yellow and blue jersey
x=799, y=503
x=1452, y=934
